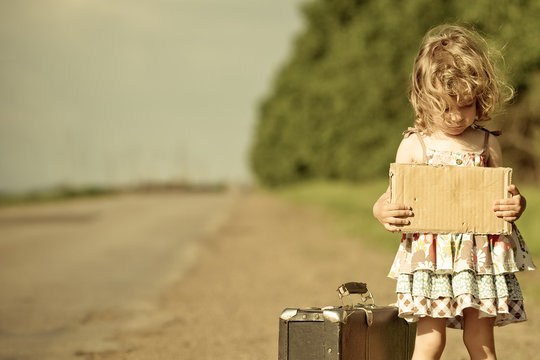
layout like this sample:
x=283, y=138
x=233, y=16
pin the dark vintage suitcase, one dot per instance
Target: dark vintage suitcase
x=363, y=331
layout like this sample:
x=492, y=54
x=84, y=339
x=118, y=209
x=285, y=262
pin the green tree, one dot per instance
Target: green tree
x=338, y=104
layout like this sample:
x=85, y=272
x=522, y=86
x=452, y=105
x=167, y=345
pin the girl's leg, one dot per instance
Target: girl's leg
x=478, y=335
x=430, y=339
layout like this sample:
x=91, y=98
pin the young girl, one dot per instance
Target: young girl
x=462, y=281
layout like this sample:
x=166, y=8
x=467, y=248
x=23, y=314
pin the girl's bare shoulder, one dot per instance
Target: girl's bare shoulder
x=476, y=137
x=488, y=142
x=410, y=150
x=495, y=158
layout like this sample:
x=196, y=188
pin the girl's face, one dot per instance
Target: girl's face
x=457, y=118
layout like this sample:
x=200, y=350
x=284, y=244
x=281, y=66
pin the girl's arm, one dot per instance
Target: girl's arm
x=508, y=209
x=392, y=216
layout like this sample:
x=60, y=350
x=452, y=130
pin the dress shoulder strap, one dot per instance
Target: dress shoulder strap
x=486, y=136
x=492, y=132
x=486, y=143
x=413, y=130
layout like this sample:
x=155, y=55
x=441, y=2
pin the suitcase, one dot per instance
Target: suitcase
x=363, y=331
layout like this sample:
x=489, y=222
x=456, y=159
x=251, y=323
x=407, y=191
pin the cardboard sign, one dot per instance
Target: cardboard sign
x=451, y=199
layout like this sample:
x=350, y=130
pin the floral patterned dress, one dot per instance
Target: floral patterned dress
x=439, y=275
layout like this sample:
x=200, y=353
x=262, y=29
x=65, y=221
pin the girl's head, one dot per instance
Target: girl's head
x=454, y=72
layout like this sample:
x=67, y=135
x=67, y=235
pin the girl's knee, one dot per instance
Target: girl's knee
x=429, y=347
x=430, y=338
x=479, y=341
x=478, y=335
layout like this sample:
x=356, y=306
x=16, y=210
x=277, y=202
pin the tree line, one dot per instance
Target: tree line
x=338, y=104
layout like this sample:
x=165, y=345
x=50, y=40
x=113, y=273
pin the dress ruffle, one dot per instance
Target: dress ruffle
x=504, y=310
x=452, y=253
x=429, y=285
x=439, y=275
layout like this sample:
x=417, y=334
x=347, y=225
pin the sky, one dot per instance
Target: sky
x=124, y=92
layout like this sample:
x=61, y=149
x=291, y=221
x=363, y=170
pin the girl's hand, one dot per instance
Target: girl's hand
x=510, y=209
x=391, y=216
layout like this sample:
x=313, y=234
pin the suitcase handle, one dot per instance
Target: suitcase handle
x=359, y=288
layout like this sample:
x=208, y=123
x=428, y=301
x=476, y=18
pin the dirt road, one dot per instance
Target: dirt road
x=269, y=255
x=72, y=274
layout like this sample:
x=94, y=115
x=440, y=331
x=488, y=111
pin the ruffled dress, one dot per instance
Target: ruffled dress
x=440, y=275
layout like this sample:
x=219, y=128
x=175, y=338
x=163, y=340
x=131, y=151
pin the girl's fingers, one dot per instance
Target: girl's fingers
x=397, y=207
x=512, y=200
x=392, y=228
x=515, y=199
x=396, y=216
x=395, y=224
x=506, y=215
x=398, y=221
x=400, y=213
x=512, y=189
x=509, y=207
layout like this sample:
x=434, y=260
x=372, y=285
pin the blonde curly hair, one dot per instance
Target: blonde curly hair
x=455, y=62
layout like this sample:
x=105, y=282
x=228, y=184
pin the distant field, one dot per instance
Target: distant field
x=350, y=205
x=67, y=193
x=56, y=194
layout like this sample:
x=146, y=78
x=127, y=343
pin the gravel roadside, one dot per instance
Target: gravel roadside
x=271, y=255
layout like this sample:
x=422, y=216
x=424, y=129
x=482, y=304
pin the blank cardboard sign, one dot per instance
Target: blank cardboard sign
x=451, y=199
